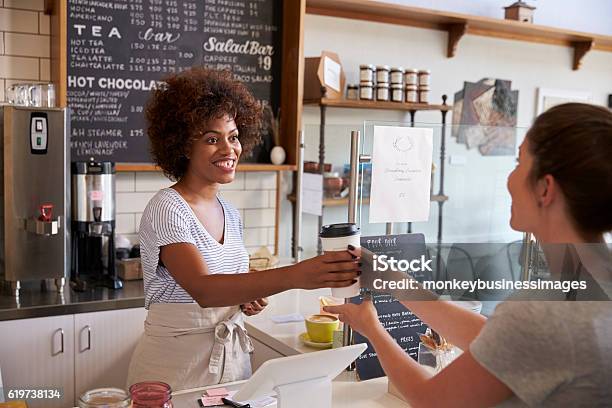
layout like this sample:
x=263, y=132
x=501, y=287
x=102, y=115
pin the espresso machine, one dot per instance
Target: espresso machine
x=93, y=226
x=34, y=178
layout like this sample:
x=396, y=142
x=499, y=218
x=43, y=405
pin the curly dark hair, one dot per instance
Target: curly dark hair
x=179, y=110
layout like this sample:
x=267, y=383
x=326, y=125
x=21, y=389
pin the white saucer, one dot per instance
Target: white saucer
x=306, y=340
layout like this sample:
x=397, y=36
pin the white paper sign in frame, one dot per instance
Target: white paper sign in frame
x=549, y=97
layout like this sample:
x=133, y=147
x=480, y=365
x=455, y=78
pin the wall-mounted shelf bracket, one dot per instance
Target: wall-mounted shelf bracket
x=581, y=48
x=455, y=33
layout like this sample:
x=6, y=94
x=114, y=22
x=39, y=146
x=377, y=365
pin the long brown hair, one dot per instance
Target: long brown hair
x=573, y=143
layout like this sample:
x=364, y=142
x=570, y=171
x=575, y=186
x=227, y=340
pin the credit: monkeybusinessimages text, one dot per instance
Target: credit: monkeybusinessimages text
x=478, y=284
x=384, y=263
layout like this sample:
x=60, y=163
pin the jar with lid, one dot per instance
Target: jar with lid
x=382, y=74
x=411, y=77
x=105, y=398
x=366, y=90
x=424, y=75
x=397, y=92
x=382, y=92
x=397, y=75
x=411, y=94
x=352, y=91
x=151, y=394
x=366, y=73
x=423, y=94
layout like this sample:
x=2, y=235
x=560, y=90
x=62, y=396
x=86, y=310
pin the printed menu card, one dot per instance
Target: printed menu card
x=401, y=174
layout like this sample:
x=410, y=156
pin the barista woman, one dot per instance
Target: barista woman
x=532, y=353
x=193, y=256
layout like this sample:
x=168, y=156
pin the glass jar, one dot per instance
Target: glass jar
x=411, y=77
x=424, y=76
x=366, y=73
x=397, y=93
x=423, y=94
x=366, y=91
x=411, y=94
x=51, y=96
x=151, y=394
x=397, y=75
x=352, y=91
x=382, y=92
x=104, y=397
x=382, y=74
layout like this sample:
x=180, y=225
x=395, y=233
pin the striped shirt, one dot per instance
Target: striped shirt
x=168, y=219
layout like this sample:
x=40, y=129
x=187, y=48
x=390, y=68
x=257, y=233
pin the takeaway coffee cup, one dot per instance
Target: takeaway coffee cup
x=337, y=237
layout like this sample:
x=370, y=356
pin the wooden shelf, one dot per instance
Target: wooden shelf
x=339, y=202
x=457, y=25
x=124, y=167
x=361, y=104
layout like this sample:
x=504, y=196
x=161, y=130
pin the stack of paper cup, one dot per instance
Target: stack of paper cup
x=337, y=237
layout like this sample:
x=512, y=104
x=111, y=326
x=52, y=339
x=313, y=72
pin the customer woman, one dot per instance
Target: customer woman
x=193, y=255
x=544, y=353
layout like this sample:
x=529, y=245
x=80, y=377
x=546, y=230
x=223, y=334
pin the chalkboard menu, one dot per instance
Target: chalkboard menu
x=403, y=325
x=119, y=50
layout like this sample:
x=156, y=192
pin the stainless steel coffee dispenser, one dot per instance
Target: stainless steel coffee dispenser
x=34, y=227
x=93, y=225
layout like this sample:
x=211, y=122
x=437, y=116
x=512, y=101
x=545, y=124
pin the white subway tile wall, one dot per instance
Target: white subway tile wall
x=25, y=43
x=253, y=194
x=25, y=4
x=18, y=21
x=44, y=24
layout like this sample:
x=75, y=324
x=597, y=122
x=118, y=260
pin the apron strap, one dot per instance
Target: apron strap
x=224, y=338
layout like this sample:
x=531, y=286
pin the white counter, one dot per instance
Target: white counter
x=346, y=393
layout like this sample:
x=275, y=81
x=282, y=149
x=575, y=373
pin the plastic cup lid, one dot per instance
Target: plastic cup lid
x=339, y=230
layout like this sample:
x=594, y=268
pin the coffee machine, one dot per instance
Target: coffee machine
x=34, y=207
x=93, y=226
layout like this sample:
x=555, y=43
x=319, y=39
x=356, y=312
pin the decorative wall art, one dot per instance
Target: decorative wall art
x=486, y=111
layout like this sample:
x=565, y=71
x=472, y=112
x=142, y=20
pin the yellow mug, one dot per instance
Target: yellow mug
x=320, y=327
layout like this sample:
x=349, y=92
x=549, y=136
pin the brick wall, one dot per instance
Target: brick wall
x=254, y=194
x=25, y=53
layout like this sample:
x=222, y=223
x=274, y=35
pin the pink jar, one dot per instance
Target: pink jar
x=151, y=394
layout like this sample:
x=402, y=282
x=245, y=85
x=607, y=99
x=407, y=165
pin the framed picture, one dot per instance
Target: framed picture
x=547, y=98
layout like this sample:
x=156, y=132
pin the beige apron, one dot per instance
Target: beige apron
x=188, y=346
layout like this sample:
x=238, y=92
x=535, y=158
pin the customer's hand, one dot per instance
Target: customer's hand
x=254, y=307
x=334, y=269
x=362, y=317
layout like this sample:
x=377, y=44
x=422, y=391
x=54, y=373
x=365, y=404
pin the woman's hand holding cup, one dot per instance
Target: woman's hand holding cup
x=339, y=237
x=335, y=269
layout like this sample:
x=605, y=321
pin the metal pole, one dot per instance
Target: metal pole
x=526, y=255
x=352, y=215
x=354, y=176
x=389, y=228
x=321, y=168
x=297, y=214
x=441, y=189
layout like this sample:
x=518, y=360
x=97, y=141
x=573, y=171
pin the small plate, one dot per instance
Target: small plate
x=306, y=340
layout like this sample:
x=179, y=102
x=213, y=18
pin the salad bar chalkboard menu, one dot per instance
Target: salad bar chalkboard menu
x=119, y=50
x=403, y=325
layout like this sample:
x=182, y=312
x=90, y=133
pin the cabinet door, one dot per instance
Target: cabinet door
x=38, y=353
x=261, y=354
x=104, y=342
